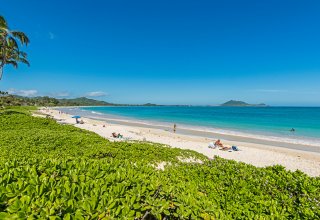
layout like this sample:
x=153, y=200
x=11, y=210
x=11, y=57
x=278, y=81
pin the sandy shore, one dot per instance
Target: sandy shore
x=257, y=154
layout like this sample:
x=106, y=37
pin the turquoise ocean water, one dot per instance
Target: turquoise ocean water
x=273, y=122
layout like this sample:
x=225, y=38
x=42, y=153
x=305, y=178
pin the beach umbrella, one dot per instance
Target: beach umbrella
x=76, y=117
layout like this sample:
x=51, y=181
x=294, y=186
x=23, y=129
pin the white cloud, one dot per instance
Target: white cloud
x=96, y=94
x=31, y=92
x=51, y=35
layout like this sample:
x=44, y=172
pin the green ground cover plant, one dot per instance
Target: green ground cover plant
x=52, y=171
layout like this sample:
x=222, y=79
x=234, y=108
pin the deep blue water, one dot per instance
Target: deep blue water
x=257, y=120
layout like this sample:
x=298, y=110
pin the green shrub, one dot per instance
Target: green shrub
x=53, y=171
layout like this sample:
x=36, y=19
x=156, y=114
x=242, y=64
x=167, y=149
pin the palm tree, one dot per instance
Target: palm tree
x=9, y=46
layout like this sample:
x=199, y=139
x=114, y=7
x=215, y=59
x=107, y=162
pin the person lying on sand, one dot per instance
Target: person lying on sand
x=115, y=135
x=225, y=148
x=219, y=144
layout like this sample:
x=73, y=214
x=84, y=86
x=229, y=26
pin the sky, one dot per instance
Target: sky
x=168, y=52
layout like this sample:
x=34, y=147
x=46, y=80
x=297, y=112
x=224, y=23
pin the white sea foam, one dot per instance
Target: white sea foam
x=97, y=113
x=284, y=139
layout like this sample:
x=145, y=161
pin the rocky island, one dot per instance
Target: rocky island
x=234, y=103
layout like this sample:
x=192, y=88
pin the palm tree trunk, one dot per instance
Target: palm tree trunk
x=3, y=58
x=1, y=71
x=2, y=62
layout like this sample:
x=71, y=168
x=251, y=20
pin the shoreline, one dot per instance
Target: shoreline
x=201, y=131
x=210, y=134
x=258, y=154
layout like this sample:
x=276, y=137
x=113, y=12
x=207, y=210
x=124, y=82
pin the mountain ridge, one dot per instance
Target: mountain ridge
x=15, y=100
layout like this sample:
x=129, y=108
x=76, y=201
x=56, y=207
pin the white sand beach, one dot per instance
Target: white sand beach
x=259, y=155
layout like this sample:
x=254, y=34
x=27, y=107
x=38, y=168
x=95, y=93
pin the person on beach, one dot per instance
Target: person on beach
x=218, y=144
x=174, y=128
x=115, y=135
x=293, y=130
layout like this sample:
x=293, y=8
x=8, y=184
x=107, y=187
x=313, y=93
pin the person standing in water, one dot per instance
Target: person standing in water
x=174, y=128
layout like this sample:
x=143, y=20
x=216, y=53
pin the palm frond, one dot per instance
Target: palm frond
x=21, y=36
x=12, y=43
x=23, y=60
x=3, y=23
x=13, y=63
x=23, y=54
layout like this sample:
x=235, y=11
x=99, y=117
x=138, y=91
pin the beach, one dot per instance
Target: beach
x=260, y=154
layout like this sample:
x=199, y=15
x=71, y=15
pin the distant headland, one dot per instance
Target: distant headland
x=14, y=100
x=235, y=103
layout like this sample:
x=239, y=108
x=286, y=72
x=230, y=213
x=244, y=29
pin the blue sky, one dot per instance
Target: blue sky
x=169, y=52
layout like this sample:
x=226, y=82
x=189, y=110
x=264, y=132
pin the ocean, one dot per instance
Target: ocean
x=269, y=123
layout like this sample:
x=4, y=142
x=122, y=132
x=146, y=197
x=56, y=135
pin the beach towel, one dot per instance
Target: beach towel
x=212, y=145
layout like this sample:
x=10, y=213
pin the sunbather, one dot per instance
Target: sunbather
x=218, y=143
x=115, y=135
x=225, y=148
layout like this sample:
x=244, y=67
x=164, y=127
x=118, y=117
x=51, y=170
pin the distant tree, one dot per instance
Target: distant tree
x=9, y=46
x=3, y=93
